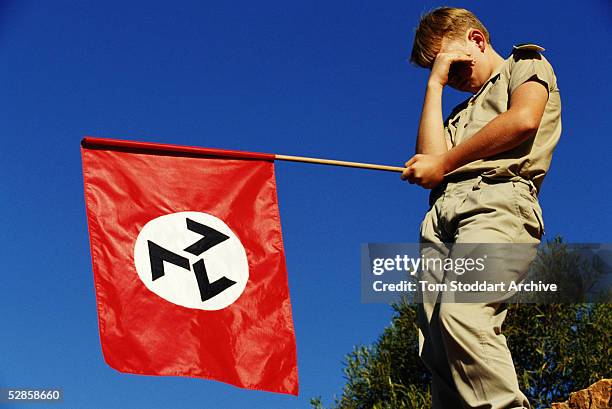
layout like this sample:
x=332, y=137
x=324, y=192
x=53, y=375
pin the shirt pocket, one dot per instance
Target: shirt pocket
x=471, y=127
x=491, y=102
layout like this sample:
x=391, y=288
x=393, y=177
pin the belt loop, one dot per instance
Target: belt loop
x=532, y=188
x=477, y=183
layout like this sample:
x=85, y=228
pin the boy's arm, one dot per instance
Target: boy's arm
x=430, y=138
x=506, y=131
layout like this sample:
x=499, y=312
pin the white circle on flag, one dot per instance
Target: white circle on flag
x=210, y=280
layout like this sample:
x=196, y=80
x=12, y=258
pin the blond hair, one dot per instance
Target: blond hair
x=444, y=22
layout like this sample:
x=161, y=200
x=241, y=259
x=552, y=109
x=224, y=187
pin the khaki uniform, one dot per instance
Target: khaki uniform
x=491, y=200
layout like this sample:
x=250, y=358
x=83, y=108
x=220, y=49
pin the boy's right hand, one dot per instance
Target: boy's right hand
x=442, y=64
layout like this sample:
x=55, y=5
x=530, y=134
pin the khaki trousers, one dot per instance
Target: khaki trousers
x=462, y=343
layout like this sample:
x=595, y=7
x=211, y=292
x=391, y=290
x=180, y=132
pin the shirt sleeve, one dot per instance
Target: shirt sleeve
x=530, y=65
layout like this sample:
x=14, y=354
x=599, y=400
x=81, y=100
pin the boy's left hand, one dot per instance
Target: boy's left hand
x=425, y=170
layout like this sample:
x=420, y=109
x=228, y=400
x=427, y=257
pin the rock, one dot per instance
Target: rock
x=596, y=396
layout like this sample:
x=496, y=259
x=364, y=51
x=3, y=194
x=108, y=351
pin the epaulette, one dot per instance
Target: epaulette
x=527, y=47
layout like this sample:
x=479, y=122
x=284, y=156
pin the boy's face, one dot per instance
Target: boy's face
x=462, y=76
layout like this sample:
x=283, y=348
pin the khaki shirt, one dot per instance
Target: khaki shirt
x=531, y=159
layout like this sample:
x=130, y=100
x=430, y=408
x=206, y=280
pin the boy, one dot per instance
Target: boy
x=485, y=165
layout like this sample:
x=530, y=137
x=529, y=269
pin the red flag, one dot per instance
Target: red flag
x=188, y=262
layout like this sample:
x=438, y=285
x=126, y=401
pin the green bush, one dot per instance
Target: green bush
x=557, y=349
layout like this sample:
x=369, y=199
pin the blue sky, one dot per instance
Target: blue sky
x=324, y=79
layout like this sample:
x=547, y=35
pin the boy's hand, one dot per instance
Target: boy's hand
x=425, y=170
x=442, y=65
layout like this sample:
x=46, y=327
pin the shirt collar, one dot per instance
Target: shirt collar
x=494, y=77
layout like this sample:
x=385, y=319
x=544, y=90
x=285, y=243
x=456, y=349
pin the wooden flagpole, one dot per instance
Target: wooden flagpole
x=194, y=150
x=339, y=163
